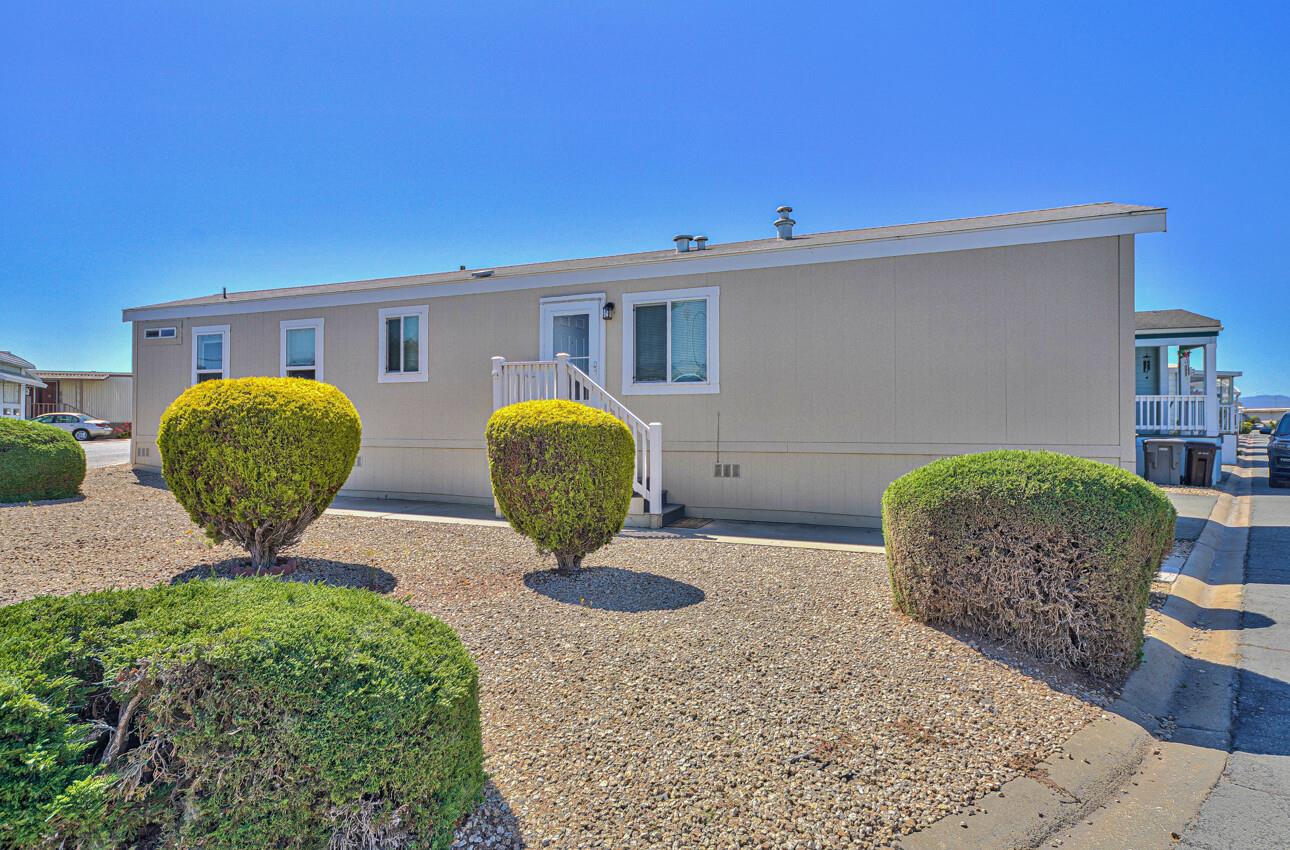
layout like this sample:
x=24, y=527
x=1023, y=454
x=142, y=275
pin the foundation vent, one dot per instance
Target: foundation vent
x=725, y=470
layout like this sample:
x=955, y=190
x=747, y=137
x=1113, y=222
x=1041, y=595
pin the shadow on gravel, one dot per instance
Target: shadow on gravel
x=492, y=824
x=334, y=573
x=40, y=503
x=614, y=589
x=1195, y=711
x=149, y=479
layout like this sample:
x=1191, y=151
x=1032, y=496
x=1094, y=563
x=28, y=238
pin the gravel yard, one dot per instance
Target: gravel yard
x=679, y=694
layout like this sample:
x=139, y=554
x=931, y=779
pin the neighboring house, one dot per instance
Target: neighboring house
x=782, y=379
x=103, y=395
x=17, y=378
x=1178, y=387
x=1267, y=408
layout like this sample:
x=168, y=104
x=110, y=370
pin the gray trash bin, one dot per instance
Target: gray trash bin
x=1164, y=460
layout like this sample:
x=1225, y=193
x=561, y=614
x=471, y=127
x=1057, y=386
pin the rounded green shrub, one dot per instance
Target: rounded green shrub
x=255, y=460
x=1051, y=553
x=38, y=461
x=234, y=714
x=562, y=475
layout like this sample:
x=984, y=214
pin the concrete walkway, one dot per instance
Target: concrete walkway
x=1193, y=509
x=835, y=537
x=1249, y=808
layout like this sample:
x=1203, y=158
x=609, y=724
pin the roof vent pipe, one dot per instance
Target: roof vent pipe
x=682, y=241
x=784, y=224
x=700, y=243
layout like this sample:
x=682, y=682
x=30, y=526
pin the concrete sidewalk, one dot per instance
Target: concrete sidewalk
x=1249, y=808
x=1193, y=511
x=834, y=537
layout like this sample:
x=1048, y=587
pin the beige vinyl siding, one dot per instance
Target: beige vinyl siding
x=110, y=398
x=835, y=378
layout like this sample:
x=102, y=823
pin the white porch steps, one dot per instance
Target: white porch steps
x=529, y=380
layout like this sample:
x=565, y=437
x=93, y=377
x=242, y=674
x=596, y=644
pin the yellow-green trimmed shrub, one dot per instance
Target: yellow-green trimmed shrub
x=1051, y=553
x=255, y=460
x=38, y=461
x=562, y=475
x=234, y=715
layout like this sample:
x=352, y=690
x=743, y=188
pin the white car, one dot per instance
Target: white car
x=82, y=427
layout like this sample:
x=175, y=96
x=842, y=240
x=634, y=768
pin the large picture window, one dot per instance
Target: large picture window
x=302, y=348
x=403, y=355
x=210, y=353
x=670, y=341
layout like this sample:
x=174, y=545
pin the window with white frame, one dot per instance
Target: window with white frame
x=301, y=348
x=210, y=353
x=670, y=341
x=159, y=333
x=403, y=350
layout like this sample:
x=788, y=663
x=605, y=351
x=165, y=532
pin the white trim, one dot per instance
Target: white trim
x=1177, y=331
x=1167, y=341
x=631, y=300
x=790, y=254
x=551, y=306
x=422, y=311
x=209, y=330
x=295, y=324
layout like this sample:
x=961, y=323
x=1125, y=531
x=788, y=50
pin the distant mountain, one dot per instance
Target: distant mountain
x=1265, y=401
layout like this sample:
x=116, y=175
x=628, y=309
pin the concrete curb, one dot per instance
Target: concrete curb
x=1136, y=777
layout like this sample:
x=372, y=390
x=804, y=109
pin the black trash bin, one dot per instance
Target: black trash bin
x=1165, y=459
x=1201, y=458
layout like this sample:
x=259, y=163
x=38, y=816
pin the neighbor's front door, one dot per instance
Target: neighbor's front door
x=574, y=328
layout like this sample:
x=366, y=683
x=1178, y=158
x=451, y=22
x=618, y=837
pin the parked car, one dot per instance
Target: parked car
x=1279, y=455
x=83, y=427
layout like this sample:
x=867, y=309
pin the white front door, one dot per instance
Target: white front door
x=574, y=327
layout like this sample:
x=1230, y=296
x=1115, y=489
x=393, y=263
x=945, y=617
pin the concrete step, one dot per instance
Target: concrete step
x=671, y=513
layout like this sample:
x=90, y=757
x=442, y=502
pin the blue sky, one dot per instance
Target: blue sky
x=151, y=151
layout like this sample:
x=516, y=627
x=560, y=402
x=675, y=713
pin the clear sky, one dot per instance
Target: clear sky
x=151, y=151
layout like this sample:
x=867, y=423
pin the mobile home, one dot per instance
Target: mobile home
x=786, y=379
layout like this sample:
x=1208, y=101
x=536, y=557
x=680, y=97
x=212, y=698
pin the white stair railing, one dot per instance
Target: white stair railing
x=528, y=380
x=1181, y=414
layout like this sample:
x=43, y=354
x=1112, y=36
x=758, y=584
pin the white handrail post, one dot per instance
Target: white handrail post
x=656, y=467
x=562, y=376
x=1211, y=389
x=499, y=386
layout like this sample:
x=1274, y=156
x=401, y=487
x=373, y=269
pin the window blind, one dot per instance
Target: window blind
x=651, y=342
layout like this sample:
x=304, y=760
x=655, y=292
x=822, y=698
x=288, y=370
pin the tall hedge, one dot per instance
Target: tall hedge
x=562, y=475
x=1052, y=553
x=229, y=715
x=38, y=461
x=255, y=460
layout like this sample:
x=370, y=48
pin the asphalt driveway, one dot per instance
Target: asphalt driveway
x=106, y=452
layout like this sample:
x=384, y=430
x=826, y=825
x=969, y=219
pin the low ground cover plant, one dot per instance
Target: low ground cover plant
x=38, y=461
x=562, y=475
x=256, y=460
x=1051, y=553
x=234, y=714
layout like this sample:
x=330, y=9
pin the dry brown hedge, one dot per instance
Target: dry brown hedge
x=1047, y=552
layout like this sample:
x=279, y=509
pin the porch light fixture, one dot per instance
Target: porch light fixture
x=607, y=311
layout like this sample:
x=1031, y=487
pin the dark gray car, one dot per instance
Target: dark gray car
x=1279, y=455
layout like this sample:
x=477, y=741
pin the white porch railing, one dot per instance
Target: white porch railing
x=1228, y=419
x=1171, y=414
x=528, y=380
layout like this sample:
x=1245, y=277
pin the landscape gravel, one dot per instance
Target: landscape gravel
x=678, y=694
